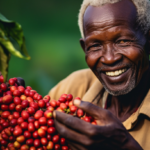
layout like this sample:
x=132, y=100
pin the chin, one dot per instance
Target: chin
x=121, y=91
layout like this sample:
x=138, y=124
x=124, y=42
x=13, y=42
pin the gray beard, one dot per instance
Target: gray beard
x=124, y=91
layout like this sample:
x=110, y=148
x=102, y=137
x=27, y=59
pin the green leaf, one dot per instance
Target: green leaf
x=3, y=18
x=13, y=33
x=4, y=59
x=12, y=41
x=10, y=48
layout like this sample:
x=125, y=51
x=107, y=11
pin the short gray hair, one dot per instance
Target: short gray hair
x=143, y=11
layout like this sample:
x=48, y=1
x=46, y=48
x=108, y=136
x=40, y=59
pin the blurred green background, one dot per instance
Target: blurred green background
x=52, y=40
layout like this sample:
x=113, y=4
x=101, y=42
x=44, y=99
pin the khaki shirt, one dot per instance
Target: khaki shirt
x=84, y=84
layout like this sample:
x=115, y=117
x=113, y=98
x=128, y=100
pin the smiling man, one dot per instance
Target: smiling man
x=115, y=90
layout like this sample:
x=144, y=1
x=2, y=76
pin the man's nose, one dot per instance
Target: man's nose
x=110, y=56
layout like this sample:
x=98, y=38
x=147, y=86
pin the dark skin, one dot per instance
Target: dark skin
x=112, y=42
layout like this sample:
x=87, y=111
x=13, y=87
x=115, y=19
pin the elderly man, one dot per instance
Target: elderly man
x=115, y=90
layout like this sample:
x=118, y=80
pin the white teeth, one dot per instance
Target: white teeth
x=116, y=73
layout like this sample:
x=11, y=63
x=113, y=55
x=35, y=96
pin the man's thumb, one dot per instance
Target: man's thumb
x=89, y=108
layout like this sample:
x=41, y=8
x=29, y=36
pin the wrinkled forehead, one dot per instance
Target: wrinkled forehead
x=124, y=10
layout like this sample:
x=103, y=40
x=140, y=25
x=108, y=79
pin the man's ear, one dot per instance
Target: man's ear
x=82, y=43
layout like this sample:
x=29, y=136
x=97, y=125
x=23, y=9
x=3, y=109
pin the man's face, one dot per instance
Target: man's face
x=114, y=46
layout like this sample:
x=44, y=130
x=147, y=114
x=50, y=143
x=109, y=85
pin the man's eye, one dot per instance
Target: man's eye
x=94, y=47
x=124, y=42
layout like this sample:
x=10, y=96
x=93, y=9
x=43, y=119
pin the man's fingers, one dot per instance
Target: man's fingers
x=75, y=123
x=71, y=135
x=72, y=147
x=90, y=108
x=75, y=146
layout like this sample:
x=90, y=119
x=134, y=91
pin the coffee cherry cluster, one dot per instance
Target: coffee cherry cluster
x=26, y=118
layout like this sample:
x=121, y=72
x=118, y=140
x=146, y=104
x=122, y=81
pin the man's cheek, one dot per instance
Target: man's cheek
x=133, y=54
x=92, y=60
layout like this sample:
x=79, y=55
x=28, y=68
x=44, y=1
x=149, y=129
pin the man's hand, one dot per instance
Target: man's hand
x=108, y=134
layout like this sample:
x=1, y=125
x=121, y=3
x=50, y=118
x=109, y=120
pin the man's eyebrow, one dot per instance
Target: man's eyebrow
x=127, y=33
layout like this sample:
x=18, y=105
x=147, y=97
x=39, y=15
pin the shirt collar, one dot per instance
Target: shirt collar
x=131, y=121
x=143, y=109
x=145, y=106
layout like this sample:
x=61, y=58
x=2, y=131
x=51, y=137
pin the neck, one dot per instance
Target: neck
x=123, y=106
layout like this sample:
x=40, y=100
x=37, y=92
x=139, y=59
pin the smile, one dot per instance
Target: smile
x=115, y=73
